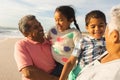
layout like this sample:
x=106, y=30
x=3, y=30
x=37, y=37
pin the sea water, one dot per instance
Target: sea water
x=9, y=32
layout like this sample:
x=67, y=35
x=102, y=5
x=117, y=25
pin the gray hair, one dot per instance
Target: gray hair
x=23, y=24
x=114, y=23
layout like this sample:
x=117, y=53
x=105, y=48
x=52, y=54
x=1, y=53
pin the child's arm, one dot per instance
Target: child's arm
x=67, y=68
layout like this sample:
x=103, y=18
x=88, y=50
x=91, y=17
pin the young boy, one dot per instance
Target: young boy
x=108, y=66
x=89, y=47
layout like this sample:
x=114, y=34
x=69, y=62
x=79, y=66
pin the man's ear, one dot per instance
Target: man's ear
x=115, y=36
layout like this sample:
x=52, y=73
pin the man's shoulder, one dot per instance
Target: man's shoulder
x=22, y=41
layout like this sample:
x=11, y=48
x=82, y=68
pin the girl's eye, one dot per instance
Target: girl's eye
x=61, y=20
x=56, y=20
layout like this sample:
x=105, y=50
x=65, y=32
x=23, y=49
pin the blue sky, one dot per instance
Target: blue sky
x=12, y=10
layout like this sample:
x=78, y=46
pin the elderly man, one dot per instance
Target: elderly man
x=33, y=53
x=107, y=67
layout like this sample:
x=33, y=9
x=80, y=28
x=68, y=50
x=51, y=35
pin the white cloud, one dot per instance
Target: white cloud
x=12, y=10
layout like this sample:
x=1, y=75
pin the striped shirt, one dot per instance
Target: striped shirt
x=88, y=49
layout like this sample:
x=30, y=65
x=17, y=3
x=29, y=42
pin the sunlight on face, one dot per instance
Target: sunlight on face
x=61, y=21
x=96, y=27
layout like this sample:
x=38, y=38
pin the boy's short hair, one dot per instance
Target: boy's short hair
x=94, y=14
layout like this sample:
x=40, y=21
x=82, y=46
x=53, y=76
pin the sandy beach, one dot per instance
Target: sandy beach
x=8, y=67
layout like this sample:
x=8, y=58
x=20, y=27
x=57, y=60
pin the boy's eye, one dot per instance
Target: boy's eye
x=92, y=26
x=101, y=25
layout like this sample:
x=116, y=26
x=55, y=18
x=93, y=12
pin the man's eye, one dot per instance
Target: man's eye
x=35, y=27
x=41, y=30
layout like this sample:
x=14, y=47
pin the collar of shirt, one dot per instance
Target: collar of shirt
x=35, y=42
x=93, y=39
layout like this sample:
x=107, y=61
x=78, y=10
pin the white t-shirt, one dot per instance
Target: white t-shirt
x=63, y=43
x=101, y=71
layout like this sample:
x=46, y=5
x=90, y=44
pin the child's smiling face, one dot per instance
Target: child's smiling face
x=96, y=27
x=62, y=22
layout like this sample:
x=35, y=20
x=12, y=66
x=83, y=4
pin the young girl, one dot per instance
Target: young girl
x=62, y=36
